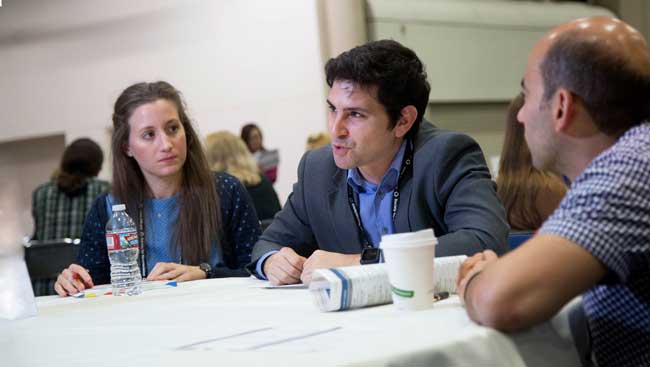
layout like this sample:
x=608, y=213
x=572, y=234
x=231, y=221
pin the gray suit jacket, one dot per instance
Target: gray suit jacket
x=450, y=191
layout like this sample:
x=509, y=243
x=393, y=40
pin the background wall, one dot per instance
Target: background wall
x=64, y=63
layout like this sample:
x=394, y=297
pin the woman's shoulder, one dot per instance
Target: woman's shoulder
x=222, y=177
x=227, y=185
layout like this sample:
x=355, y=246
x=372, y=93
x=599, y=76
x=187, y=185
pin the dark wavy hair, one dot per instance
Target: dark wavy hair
x=82, y=159
x=199, y=221
x=616, y=96
x=396, y=70
x=246, y=132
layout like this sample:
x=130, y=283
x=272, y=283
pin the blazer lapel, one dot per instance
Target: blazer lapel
x=347, y=233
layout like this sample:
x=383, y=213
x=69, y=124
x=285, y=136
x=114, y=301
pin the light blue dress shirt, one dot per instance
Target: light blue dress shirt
x=375, y=202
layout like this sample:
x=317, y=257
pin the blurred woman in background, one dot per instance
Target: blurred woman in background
x=528, y=194
x=228, y=153
x=267, y=160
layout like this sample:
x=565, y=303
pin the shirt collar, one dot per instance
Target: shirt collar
x=388, y=181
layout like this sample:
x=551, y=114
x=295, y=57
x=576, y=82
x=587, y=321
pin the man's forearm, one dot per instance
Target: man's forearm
x=469, y=298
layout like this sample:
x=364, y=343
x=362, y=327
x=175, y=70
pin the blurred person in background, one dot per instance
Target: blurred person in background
x=59, y=206
x=227, y=153
x=317, y=140
x=528, y=194
x=267, y=160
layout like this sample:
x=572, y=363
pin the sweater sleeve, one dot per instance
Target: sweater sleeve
x=92, y=250
x=241, y=227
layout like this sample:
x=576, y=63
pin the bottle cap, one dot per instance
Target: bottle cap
x=119, y=207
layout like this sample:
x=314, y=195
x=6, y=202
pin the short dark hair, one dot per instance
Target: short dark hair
x=396, y=70
x=82, y=159
x=616, y=96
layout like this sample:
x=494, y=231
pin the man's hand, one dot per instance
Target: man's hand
x=284, y=267
x=177, y=272
x=323, y=259
x=470, y=268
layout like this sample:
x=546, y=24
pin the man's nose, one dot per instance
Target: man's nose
x=337, y=126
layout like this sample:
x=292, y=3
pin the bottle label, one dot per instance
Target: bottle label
x=121, y=240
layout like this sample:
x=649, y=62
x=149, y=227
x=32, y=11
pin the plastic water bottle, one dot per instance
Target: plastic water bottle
x=122, y=244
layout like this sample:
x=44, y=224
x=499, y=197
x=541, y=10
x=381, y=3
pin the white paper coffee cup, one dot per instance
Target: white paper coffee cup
x=409, y=259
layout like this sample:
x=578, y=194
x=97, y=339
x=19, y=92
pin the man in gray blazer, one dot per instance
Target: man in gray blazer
x=386, y=171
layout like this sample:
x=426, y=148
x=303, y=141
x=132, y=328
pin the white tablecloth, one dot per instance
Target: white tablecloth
x=230, y=322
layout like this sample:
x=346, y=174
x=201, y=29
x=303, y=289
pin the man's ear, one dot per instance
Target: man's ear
x=563, y=106
x=408, y=115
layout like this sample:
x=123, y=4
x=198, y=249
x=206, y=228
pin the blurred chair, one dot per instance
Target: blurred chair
x=580, y=332
x=516, y=238
x=46, y=259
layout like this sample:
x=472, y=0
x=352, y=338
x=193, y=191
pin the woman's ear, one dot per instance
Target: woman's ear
x=127, y=150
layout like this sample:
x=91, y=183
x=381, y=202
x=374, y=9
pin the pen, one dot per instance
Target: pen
x=440, y=296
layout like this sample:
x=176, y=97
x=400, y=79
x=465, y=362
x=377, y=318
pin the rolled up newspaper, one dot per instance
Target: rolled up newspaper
x=344, y=288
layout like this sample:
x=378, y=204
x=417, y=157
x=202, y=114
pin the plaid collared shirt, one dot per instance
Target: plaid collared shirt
x=58, y=216
x=607, y=212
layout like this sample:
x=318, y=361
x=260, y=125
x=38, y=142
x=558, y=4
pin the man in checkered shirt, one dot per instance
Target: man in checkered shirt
x=586, y=113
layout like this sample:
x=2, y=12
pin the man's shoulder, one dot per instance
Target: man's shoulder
x=45, y=187
x=431, y=138
x=320, y=155
x=434, y=145
x=630, y=154
x=320, y=161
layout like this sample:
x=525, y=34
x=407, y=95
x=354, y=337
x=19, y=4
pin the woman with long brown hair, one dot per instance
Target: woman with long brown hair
x=195, y=224
x=227, y=153
x=528, y=194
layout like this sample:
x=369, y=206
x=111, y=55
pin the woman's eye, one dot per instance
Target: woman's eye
x=147, y=135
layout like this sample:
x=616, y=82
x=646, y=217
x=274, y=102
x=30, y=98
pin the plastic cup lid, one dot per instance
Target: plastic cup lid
x=394, y=245
x=425, y=234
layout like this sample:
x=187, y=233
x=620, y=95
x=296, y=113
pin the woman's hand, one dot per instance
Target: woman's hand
x=177, y=272
x=73, y=280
